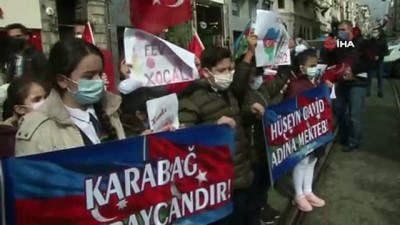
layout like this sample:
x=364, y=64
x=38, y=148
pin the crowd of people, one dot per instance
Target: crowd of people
x=60, y=102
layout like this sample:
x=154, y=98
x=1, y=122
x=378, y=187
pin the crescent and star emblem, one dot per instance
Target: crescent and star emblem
x=96, y=214
x=177, y=3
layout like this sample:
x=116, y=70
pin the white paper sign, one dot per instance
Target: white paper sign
x=273, y=40
x=333, y=92
x=157, y=62
x=320, y=70
x=163, y=111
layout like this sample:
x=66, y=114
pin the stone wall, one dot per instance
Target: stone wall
x=94, y=10
x=49, y=25
x=98, y=16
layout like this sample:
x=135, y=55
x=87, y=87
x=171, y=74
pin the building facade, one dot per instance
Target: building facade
x=364, y=18
x=304, y=18
x=394, y=13
x=55, y=19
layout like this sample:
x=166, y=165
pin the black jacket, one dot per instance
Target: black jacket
x=377, y=47
x=357, y=57
x=34, y=63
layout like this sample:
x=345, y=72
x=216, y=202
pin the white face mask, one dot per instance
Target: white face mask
x=223, y=81
x=257, y=82
x=35, y=106
x=78, y=35
x=311, y=71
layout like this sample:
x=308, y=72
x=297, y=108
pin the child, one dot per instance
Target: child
x=24, y=95
x=305, y=64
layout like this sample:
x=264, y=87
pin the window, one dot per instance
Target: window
x=281, y=4
x=235, y=8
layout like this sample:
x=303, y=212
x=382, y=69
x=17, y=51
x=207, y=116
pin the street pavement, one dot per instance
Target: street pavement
x=363, y=187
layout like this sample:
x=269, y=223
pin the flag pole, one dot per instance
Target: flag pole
x=194, y=15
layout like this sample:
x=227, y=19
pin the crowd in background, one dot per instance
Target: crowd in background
x=60, y=102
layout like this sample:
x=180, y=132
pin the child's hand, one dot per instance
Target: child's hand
x=146, y=132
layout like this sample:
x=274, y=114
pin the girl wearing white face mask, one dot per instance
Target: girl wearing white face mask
x=23, y=96
x=306, y=64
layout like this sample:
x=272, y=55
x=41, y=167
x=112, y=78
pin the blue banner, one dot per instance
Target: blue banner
x=181, y=177
x=296, y=127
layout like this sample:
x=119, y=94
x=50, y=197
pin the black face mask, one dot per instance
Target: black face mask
x=17, y=44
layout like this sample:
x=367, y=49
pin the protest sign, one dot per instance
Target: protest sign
x=320, y=70
x=273, y=40
x=296, y=127
x=163, y=111
x=181, y=177
x=157, y=62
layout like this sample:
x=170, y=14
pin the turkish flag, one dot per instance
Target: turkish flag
x=87, y=34
x=154, y=16
x=109, y=70
x=195, y=45
x=335, y=73
x=35, y=39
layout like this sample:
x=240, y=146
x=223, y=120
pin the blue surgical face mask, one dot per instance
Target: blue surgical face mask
x=343, y=35
x=312, y=71
x=257, y=82
x=89, y=91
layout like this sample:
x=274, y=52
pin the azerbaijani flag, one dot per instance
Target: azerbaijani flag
x=183, y=177
x=240, y=45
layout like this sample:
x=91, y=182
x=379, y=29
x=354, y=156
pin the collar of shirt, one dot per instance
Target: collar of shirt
x=80, y=114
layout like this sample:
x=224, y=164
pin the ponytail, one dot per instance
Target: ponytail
x=105, y=122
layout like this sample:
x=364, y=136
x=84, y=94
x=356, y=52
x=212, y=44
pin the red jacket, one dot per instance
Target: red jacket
x=298, y=86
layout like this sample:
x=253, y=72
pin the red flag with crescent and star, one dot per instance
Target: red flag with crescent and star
x=154, y=16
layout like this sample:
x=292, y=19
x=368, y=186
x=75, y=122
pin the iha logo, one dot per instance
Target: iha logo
x=332, y=43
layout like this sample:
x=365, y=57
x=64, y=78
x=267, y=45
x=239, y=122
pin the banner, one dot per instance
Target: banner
x=157, y=62
x=181, y=177
x=273, y=40
x=296, y=127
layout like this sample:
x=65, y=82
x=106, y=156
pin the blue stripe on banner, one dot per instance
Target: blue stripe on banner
x=2, y=196
x=44, y=180
x=102, y=153
x=213, y=136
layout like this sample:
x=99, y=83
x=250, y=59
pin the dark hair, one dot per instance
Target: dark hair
x=212, y=55
x=302, y=58
x=17, y=92
x=63, y=59
x=19, y=26
x=5, y=50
